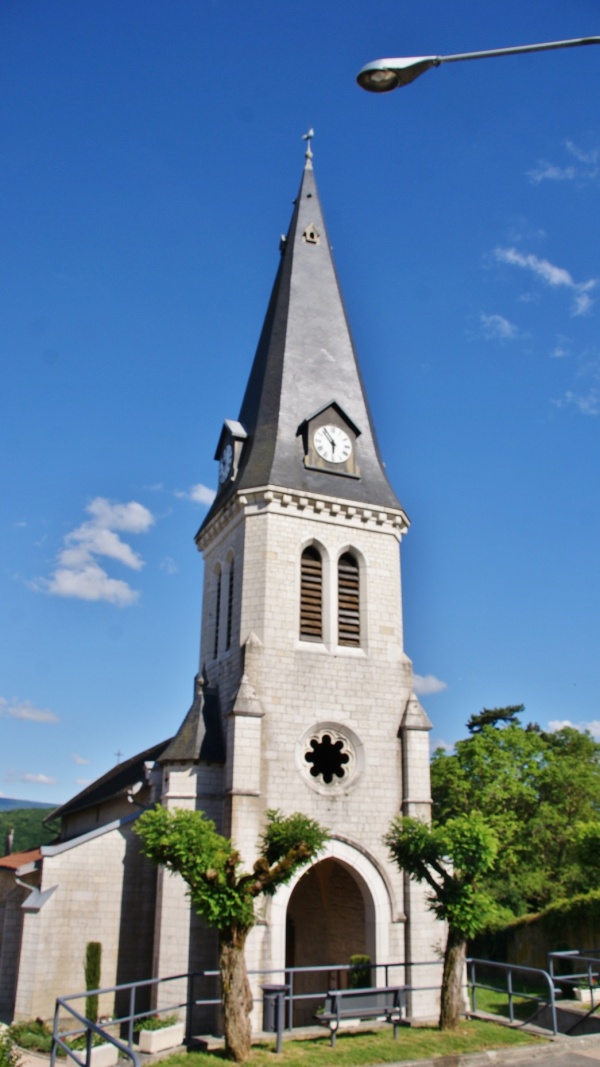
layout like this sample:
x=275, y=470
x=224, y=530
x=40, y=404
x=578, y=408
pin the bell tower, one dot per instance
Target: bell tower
x=302, y=641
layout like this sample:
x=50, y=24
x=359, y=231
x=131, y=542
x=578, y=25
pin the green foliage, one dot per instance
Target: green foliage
x=451, y=859
x=494, y=717
x=9, y=1053
x=283, y=835
x=156, y=1022
x=28, y=826
x=532, y=788
x=188, y=842
x=32, y=1034
x=360, y=975
x=92, y=970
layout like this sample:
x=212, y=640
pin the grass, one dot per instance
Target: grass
x=495, y=1002
x=370, y=1047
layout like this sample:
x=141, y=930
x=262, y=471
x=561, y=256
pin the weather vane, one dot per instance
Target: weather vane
x=308, y=138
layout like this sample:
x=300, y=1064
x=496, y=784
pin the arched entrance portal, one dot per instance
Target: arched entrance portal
x=326, y=923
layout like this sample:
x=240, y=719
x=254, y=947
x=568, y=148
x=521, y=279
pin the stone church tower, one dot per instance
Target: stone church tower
x=303, y=701
x=302, y=656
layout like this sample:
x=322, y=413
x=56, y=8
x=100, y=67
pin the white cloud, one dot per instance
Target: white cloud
x=80, y=760
x=78, y=574
x=592, y=725
x=586, y=403
x=435, y=743
x=496, y=327
x=25, y=710
x=198, y=494
x=169, y=565
x=427, y=684
x=552, y=275
x=561, y=348
x=83, y=781
x=90, y=583
x=548, y=171
x=586, y=168
x=589, y=158
x=38, y=779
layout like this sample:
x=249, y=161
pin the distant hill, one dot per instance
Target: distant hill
x=28, y=827
x=6, y=804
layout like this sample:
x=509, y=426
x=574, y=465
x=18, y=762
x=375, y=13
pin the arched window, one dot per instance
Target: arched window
x=230, y=604
x=217, y=615
x=311, y=595
x=348, y=601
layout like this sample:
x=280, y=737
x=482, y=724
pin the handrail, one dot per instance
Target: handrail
x=90, y=1028
x=509, y=969
x=65, y=1003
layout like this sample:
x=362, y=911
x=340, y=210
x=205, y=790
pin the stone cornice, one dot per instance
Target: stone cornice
x=272, y=498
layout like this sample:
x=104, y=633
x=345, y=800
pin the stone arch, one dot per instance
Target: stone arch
x=373, y=887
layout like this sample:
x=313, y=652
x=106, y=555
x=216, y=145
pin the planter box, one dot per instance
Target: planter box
x=159, y=1040
x=584, y=994
x=103, y=1056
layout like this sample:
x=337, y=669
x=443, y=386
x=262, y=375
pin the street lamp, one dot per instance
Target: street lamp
x=383, y=75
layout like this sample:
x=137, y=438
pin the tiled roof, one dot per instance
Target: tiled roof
x=19, y=859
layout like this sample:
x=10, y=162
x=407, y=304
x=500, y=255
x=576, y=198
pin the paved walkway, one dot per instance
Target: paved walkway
x=561, y=1052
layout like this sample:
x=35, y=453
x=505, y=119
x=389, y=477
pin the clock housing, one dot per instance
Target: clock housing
x=329, y=439
x=229, y=451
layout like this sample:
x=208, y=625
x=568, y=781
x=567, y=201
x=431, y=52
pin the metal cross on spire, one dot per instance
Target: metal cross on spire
x=308, y=138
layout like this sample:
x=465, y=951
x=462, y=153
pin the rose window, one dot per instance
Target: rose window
x=327, y=758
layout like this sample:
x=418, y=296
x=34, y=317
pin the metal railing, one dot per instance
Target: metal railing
x=334, y=975
x=61, y=1036
x=543, y=978
x=586, y=979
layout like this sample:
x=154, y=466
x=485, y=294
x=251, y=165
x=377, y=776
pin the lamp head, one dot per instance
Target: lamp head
x=383, y=75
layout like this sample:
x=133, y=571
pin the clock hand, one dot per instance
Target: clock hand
x=329, y=438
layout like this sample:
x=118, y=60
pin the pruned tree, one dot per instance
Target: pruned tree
x=450, y=859
x=186, y=842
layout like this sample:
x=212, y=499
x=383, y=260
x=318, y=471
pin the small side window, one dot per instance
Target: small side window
x=230, y=603
x=217, y=615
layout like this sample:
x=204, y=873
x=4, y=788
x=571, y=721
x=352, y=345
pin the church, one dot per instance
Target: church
x=303, y=699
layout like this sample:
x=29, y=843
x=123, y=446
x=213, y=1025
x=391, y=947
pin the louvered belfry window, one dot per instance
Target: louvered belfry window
x=311, y=595
x=348, y=601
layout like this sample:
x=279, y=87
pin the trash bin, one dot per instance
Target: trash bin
x=274, y=1007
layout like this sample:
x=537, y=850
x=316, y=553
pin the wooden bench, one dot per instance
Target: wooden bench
x=387, y=1002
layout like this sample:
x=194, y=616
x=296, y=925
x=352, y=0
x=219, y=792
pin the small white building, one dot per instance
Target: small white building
x=303, y=701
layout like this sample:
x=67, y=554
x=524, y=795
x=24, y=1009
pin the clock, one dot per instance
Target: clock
x=225, y=463
x=332, y=443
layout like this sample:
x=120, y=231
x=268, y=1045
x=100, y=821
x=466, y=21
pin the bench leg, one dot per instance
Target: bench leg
x=332, y=1037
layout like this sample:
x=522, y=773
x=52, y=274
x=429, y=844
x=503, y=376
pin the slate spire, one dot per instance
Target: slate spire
x=305, y=360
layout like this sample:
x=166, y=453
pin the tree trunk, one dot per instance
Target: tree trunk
x=236, y=995
x=451, y=1005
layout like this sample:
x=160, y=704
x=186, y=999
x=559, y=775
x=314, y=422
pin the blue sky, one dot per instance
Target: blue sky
x=151, y=154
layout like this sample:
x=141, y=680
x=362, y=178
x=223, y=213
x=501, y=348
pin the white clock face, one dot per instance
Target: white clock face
x=225, y=463
x=332, y=444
